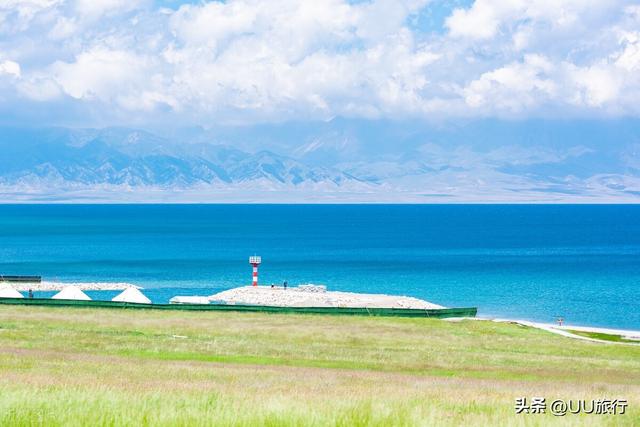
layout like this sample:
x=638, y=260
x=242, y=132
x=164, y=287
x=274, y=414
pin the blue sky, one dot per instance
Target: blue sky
x=203, y=63
x=474, y=97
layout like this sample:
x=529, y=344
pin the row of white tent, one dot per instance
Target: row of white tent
x=74, y=293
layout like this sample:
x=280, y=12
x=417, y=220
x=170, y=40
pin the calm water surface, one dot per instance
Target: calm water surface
x=532, y=262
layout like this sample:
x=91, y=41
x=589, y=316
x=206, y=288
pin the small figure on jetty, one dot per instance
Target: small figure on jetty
x=285, y=285
x=30, y=293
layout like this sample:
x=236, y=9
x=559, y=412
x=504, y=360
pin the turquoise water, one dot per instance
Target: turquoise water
x=530, y=262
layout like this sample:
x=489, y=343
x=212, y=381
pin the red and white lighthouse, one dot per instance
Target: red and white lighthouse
x=255, y=262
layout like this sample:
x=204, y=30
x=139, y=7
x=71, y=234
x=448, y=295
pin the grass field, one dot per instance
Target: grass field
x=104, y=367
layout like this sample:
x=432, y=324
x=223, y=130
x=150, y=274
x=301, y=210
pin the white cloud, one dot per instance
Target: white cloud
x=39, y=88
x=94, y=9
x=17, y=15
x=210, y=23
x=250, y=60
x=63, y=28
x=481, y=21
x=629, y=58
x=487, y=18
x=10, y=67
x=379, y=19
x=101, y=74
x=513, y=87
x=595, y=85
x=290, y=58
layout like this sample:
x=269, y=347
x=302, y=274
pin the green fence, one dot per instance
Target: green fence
x=20, y=279
x=397, y=312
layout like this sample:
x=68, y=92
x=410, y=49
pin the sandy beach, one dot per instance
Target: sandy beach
x=315, y=296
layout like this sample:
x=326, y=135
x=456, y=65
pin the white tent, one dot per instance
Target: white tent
x=189, y=300
x=71, y=292
x=9, y=292
x=132, y=295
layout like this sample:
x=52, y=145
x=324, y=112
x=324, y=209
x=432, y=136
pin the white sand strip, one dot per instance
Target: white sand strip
x=565, y=330
x=622, y=332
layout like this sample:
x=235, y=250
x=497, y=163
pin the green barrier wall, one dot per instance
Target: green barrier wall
x=397, y=312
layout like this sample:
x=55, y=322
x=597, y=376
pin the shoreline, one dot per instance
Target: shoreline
x=336, y=299
x=631, y=336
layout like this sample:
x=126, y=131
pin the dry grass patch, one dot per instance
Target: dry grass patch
x=65, y=366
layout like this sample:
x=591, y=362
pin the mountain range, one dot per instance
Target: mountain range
x=337, y=161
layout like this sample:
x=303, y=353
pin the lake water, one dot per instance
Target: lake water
x=519, y=261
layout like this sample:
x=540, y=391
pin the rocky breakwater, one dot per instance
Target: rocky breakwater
x=315, y=296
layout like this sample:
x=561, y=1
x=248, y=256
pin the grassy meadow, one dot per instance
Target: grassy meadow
x=106, y=367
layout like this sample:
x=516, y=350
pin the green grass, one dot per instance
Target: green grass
x=603, y=337
x=104, y=367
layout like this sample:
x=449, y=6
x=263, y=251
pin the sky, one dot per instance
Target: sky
x=144, y=63
x=400, y=100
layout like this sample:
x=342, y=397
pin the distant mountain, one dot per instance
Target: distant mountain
x=59, y=160
x=335, y=161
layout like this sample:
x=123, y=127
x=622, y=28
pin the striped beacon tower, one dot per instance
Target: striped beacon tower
x=255, y=262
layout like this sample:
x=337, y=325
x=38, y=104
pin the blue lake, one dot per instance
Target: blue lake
x=534, y=262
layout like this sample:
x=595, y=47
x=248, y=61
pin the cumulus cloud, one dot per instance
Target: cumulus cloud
x=249, y=60
x=513, y=87
x=95, y=8
x=594, y=85
x=10, y=67
x=100, y=73
x=489, y=18
x=629, y=56
x=17, y=15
